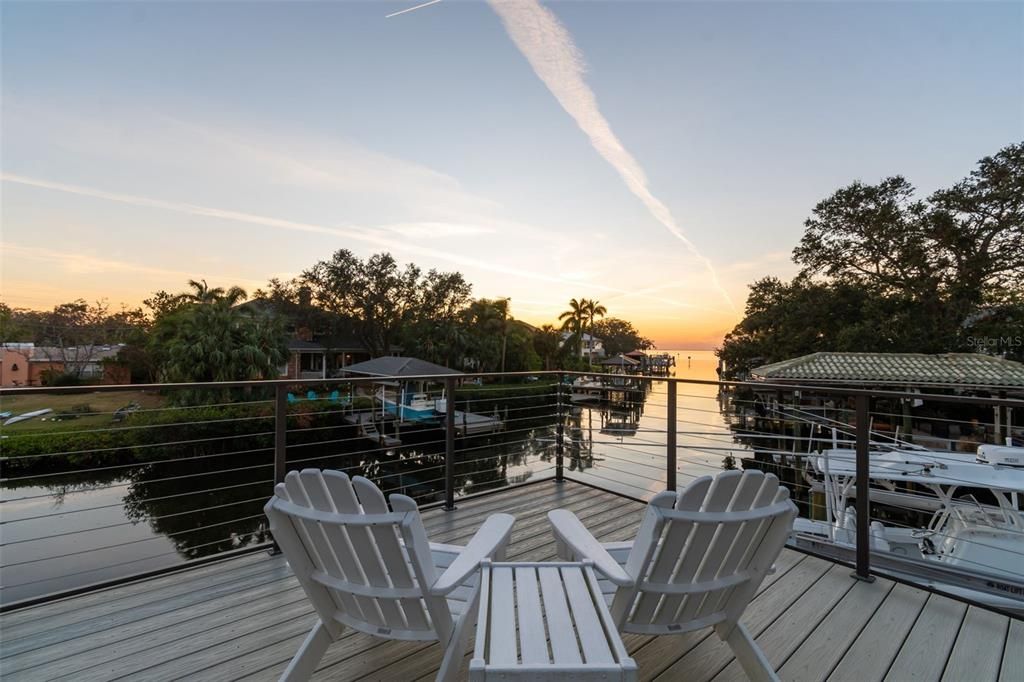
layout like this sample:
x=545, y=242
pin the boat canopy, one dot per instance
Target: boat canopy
x=925, y=468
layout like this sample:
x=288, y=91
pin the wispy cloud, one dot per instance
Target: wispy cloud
x=435, y=230
x=373, y=236
x=551, y=51
x=84, y=264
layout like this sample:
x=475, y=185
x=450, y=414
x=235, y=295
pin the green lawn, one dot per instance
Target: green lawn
x=101, y=404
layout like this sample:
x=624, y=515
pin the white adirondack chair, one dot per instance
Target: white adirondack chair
x=371, y=568
x=697, y=560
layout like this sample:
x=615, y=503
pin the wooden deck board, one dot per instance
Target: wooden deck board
x=789, y=631
x=217, y=643
x=246, y=617
x=926, y=650
x=711, y=655
x=1012, y=668
x=827, y=643
x=654, y=654
x=978, y=650
x=876, y=646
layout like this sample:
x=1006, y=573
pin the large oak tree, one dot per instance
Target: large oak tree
x=885, y=270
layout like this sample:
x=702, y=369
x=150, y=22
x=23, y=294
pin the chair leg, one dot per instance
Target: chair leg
x=755, y=664
x=302, y=665
x=456, y=649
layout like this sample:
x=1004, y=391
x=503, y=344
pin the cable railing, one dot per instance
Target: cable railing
x=176, y=484
x=84, y=502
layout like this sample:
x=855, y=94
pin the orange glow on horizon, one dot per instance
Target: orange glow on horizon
x=697, y=330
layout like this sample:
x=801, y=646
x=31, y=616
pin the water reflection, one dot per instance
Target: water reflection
x=182, y=500
x=188, y=491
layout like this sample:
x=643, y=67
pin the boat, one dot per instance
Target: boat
x=586, y=389
x=413, y=405
x=970, y=547
x=26, y=416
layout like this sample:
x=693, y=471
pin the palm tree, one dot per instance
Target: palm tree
x=202, y=293
x=592, y=309
x=487, y=319
x=573, y=320
x=545, y=343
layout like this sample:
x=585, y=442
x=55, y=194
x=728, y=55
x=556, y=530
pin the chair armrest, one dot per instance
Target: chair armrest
x=491, y=537
x=570, y=530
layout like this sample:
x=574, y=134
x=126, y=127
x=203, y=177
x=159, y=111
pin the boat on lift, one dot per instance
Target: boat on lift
x=970, y=547
x=412, y=405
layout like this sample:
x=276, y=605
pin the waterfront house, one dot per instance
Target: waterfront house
x=26, y=364
x=591, y=346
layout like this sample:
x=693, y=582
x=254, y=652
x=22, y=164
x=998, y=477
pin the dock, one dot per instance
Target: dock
x=367, y=428
x=466, y=424
x=472, y=424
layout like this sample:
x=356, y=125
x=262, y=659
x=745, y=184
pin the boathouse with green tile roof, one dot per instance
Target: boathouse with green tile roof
x=896, y=369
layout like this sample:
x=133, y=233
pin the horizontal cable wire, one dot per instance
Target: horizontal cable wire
x=155, y=499
x=135, y=465
x=132, y=561
x=131, y=482
x=127, y=542
x=118, y=429
x=144, y=446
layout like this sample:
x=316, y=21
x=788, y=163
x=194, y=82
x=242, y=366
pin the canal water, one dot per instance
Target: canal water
x=64, y=531
x=624, y=449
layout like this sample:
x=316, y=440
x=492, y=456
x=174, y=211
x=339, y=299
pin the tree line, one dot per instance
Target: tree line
x=222, y=334
x=883, y=270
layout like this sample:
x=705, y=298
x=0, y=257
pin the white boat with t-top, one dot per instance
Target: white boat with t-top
x=972, y=547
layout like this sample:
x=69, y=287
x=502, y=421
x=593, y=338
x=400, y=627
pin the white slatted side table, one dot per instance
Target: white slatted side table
x=546, y=622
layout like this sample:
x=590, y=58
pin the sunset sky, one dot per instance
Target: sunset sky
x=657, y=156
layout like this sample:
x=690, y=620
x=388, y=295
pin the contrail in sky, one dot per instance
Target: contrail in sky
x=556, y=60
x=411, y=9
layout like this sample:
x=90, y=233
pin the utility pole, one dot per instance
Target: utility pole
x=504, y=330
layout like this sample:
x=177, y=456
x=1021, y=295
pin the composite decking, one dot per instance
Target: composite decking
x=244, y=618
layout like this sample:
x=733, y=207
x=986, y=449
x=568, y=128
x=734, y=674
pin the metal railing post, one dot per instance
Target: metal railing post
x=280, y=433
x=670, y=437
x=863, y=571
x=560, y=435
x=280, y=443
x=449, y=444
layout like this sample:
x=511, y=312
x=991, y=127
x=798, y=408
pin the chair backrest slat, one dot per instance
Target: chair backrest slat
x=693, y=569
x=744, y=547
x=391, y=553
x=346, y=547
x=670, y=550
x=699, y=544
x=422, y=562
x=341, y=565
x=365, y=549
x=759, y=559
x=748, y=486
x=293, y=540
